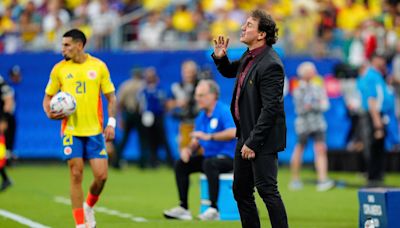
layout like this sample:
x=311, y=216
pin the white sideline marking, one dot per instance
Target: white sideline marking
x=66, y=201
x=21, y=219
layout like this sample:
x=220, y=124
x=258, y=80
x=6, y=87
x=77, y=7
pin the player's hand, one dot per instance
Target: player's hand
x=109, y=133
x=185, y=154
x=220, y=46
x=247, y=153
x=379, y=133
x=200, y=135
x=56, y=115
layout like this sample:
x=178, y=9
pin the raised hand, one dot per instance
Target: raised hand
x=220, y=46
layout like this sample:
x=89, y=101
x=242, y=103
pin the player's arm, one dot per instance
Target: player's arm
x=109, y=132
x=49, y=113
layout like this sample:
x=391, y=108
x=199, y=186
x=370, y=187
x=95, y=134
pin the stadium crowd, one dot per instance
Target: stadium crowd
x=339, y=28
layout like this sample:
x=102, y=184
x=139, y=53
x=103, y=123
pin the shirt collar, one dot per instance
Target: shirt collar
x=255, y=52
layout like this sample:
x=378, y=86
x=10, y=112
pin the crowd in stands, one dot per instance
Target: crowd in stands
x=340, y=28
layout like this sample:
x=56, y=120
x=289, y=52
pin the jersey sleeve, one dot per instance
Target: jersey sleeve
x=106, y=84
x=54, y=84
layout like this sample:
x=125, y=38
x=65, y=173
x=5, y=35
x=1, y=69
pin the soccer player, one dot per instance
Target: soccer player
x=83, y=76
x=6, y=182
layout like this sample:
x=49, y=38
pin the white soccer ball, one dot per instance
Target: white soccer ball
x=64, y=103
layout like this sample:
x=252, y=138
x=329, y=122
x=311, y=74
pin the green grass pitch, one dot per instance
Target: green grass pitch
x=41, y=194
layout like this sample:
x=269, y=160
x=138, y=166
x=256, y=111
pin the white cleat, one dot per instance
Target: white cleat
x=325, y=185
x=178, y=213
x=211, y=214
x=295, y=185
x=89, y=216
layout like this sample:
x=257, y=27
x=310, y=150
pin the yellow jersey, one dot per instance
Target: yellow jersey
x=84, y=81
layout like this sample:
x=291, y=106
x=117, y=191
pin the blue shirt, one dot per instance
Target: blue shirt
x=220, y=120
x=152, y=99
x=372, y=85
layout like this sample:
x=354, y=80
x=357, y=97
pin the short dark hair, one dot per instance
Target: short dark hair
x=266, y=24
x=76, y=35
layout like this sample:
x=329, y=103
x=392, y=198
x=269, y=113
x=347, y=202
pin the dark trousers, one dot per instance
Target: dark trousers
x=211, y=167
x=132, y=121
x=262, y=173
x=376, y=156
x=10, y=132
x=155, y=137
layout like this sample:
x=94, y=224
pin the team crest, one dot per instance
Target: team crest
x=214, y=123
x=67, y=150
x=92, y=74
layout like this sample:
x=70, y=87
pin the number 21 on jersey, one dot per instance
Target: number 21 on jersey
x=80, y=87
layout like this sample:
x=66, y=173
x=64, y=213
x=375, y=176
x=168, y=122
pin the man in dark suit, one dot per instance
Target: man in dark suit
x=257, y=108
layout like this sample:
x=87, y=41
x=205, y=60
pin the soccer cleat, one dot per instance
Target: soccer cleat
x=211, y=214
x=89, y=216
x=295, y=185
x=6, y=184
x=325, y=185
x=178, y=213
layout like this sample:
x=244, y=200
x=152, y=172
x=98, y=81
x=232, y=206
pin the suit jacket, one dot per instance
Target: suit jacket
x=262, y=125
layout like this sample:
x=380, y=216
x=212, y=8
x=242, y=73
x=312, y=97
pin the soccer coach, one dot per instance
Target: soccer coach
x=257, y=108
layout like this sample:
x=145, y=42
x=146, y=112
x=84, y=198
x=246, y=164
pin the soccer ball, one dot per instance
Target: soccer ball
x=64, y=103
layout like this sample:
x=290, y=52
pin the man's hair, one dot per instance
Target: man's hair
x=304, y=68
x=266, y=24
x=212, y=85
x=190, y=63
x=76, y=35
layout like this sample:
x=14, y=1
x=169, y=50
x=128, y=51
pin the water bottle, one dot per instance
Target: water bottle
x=369, y=223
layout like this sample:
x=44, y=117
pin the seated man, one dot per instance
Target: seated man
x=214, y=133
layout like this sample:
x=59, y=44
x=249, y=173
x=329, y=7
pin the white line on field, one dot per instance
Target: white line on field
x=66, y=201
x=22, y=220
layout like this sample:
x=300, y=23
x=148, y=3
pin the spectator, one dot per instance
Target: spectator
x=214, y=132
x=6, y=181
x=55, y=20
x=225, y=25
x=396, y=77
x=129, y=111
x=182, y=103
x=8, y=32
x=8, y=94
x=182, y=21
x=29, y=25
x=310, y=102
x=351, y=16
x=103, y=23
x=376, y=103
x=302, y=27
x=152, y=101
x=152, y=30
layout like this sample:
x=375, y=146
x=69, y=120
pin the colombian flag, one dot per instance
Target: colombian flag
x=2, y=151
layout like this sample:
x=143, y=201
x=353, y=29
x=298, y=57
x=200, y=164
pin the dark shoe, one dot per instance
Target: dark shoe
x=117, y=166
x=375, y=184
x=5, y=185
